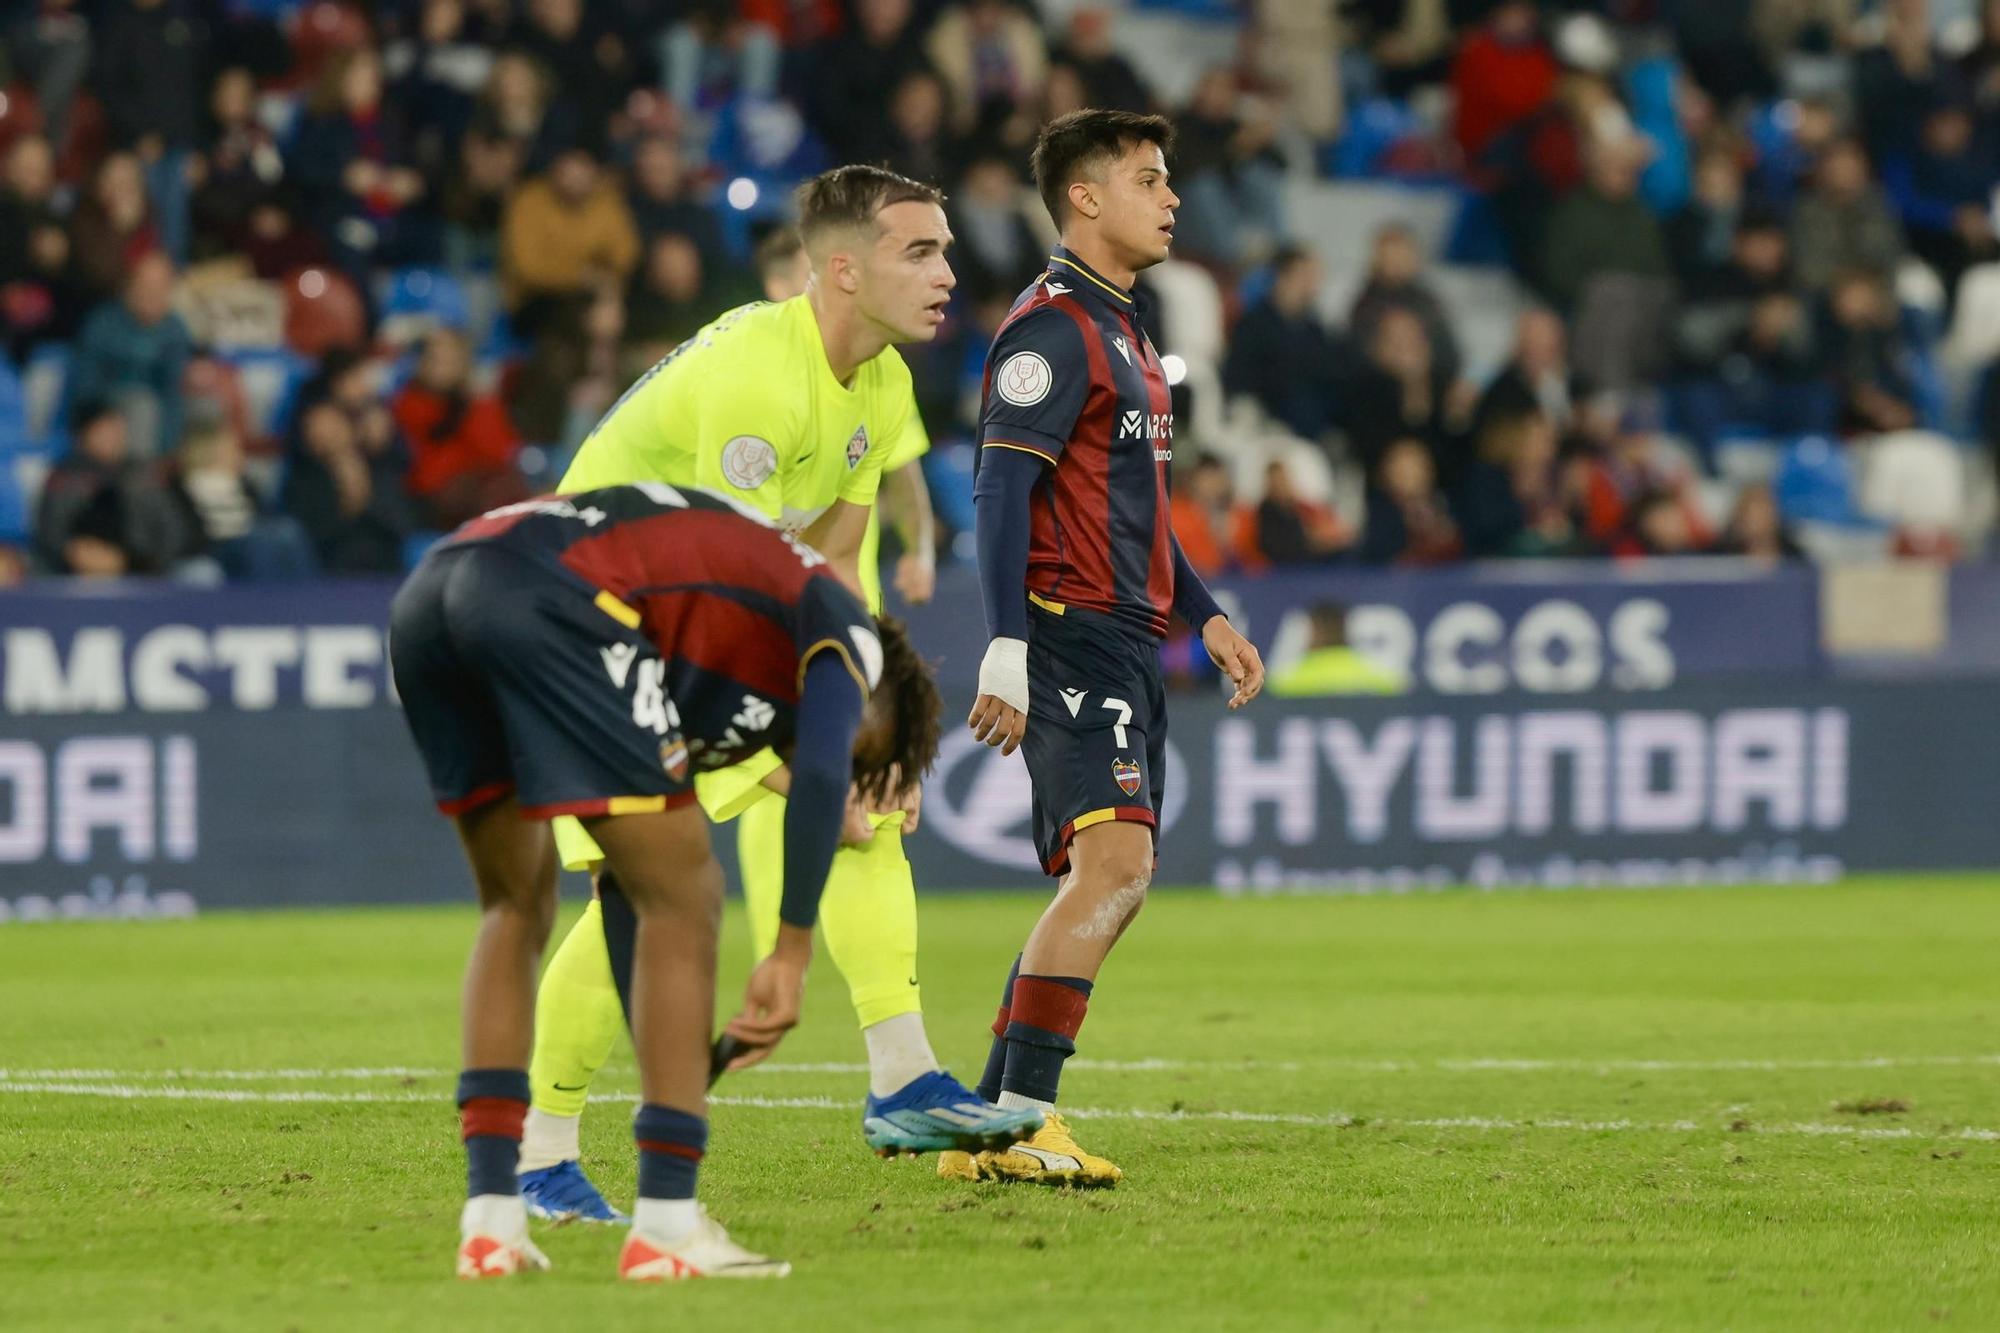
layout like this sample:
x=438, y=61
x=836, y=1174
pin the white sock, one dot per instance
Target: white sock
x=547, y=1140
x=664, y=1220
x=501, y=1216
x=899, y=1051
x=1014, y=1101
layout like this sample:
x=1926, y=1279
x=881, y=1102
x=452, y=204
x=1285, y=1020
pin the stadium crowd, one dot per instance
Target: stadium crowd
x=292, y=287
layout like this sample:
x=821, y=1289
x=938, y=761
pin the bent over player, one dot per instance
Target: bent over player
x=1081, y=576
x=587, y=655
x=797, y=409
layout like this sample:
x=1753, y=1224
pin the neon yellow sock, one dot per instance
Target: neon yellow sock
x=577, y=1018
x=868, y=913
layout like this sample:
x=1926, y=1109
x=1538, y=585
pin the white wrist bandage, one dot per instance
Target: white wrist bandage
x=1004, y=672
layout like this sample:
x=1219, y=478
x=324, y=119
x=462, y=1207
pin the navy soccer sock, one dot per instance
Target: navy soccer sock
x=492, y=1105
x=1041, y=1033
x=671, y=1144
x=996, y=1055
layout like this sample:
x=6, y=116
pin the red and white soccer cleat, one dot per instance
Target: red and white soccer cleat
x=493, y=1239
x=705, y=1251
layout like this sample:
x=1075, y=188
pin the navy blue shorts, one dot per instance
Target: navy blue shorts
x=514, y=682
x=1097, y=728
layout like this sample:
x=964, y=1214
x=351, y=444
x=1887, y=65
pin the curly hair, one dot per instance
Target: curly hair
x=909, y=693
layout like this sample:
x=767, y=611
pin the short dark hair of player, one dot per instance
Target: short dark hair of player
x=851, y=197
x=1073, y=147
x=910, y=695
x=778, y=248
x=1329, y=625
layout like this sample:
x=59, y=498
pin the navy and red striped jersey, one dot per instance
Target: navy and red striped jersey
x=1072, y=378
x=733, y=607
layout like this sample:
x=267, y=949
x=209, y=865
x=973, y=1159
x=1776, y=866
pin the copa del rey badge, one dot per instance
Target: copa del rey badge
x=857, y=445
x=674, y=757
x=1127, y=775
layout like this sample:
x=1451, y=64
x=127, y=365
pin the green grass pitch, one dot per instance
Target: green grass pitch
x=1750, y=1108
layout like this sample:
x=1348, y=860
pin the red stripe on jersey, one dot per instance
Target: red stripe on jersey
x=1069, y=549
x=714, y=632
x=683, y=546
x=1160, y=566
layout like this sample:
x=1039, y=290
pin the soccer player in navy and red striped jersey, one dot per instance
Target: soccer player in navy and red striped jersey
x=1082, y=576
x=587, y=655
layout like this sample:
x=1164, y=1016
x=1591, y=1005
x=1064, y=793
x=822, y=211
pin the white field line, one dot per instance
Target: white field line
x=1460, y=1065
x=1331, y=1120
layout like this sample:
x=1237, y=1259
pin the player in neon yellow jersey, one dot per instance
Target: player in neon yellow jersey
x=797, y=408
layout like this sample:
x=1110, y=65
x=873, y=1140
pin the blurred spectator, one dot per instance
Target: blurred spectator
x=112, y=227
x=1208, y=522
x=1661, y=524
x=1869, y=355
x=740, y=46
x=518, y=108
x=1292, y=530
x=992, y=59
x=344, y=479
x=1281, y=353
x=1409, y=522
x=1785, y=167
x=1329, y=667
x=916, y=137
x=1756, y=530
x=50, y=45
x=436, y=72
x=1896, y=79
x=782, y=267
x=565, y=235
x=1757, y=369
x=1228, y=175
x=1511, y=502
x=662, y=199
x=1401, y=393
x=850, y=76
x=475, y=198
x=1943, y=190
x=353, y=166
x=225, y=519
x=133, y=352
x=1701, y=237
x=239, y=167
x=148, y=63
x=1718, y=43
x=1396, y=281
x=1601, y=229
x=1299, y=50
x=1628, y=471
x=583, y=55
x=1108, y=78
x=1064, y=92
x=462, y=445
x=273, y=240
x=1844, y=221
x=997, y=252
x=1408, y=42
x=104, y=514
x=1537, y=375
x=672, y=296
x=37, y=298
x=1503, y=75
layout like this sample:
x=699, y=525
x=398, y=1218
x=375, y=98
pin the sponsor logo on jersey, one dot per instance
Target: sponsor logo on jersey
x=1146, y=426
x=748, y=462
x=1024, y=379
x=857, y=446
x=1126, y=774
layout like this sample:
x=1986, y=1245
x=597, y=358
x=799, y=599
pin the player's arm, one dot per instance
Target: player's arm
x=906, y=504
x=829, y=715
x=1235, y=655
x=837, y=535
x=1037, y=384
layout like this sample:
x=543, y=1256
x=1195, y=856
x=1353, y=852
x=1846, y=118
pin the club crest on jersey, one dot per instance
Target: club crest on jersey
x=1126, y=774
x=674, y=757
x=1023, y=379
x=857, y=445
x=748, y=462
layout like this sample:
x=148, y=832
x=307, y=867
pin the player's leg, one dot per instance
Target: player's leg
x=868, y=915
x=514, y=866
x=665, y=868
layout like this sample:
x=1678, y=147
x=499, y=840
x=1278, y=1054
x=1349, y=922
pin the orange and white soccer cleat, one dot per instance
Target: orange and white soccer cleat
x=493, y=1238
x=706, y=1251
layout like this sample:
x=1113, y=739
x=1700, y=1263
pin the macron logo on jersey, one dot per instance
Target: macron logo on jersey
x=1141, y=426
x=1124, y=349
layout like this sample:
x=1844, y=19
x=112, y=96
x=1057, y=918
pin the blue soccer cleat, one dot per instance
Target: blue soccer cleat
x=937, y=1112
x=562, y=1193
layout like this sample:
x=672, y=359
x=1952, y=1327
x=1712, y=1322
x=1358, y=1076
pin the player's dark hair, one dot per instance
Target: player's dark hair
x=910, y=694
x=852, y=196
x=1072, y=147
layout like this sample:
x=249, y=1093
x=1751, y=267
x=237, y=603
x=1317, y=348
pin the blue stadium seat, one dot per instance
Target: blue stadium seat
x=431, y=294
x=1815, y=484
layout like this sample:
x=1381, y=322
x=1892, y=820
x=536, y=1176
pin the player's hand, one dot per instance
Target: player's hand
x=910, y=800
x=1000, y=713
x=1236, y=656
x=916, y=578
x=772, y=997
x=856, y=829
x=997, y=723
